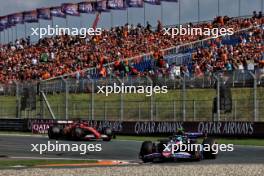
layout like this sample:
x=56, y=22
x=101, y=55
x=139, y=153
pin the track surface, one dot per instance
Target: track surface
x=20, y=146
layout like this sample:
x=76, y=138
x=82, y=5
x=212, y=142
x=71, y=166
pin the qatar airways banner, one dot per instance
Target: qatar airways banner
x=116, y=4
x=135, y=3
x=153, y=2
x=31, y=16
x=44, y=13
x=57, y=12
x=86, y=7
x=232, y=129
x=70, y=9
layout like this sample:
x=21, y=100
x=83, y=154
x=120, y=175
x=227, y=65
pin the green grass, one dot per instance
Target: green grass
x=251, y=142
x=5, y=163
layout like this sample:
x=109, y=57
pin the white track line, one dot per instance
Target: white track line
x=48, y=158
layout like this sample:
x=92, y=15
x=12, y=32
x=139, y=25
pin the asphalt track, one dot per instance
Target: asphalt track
x=20, y=147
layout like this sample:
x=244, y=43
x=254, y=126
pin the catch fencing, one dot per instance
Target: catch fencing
x=187, y=99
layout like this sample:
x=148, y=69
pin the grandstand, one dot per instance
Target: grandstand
x=191, y=66
x=23, y=61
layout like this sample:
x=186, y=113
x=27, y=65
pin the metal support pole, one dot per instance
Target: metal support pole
x=184, y=98
x=17, y=101
x=127, y=15
x=81, y=22
x=262, y=5
x=235, y=110
x=151, y=100
x=239, y=8
x=8, y=35
x=16, y=32
x=156, y=110
x=66, y=99
x=12, y=30
x=255, y=97
x=161, y=13
x=41, y=113
x=198, y=11
x=105, y=110
x=144, y=5
x=218, y=7
x=111, y=19
x=179, y=12
x=194, y=110
x=139, y=112
x=218, y=99
x=174, y=110
x=25, y=25
x=92, y=101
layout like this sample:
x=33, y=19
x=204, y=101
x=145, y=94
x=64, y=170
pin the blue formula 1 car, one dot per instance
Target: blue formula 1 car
x=181, y=146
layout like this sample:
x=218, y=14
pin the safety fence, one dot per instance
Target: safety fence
x=236, y=96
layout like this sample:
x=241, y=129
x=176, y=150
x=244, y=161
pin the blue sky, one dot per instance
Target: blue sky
x=189, y=12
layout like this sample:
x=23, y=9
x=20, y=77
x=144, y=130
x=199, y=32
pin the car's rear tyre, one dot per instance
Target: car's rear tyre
x=54, y=132
x=78, y=133
x=161, y=146
x=109, y=133
x=211, y=153
x=146, y=149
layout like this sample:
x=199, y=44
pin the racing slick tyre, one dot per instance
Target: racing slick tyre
x=54, y=132
x=209, y=154
x=108, y=132
x=146, y=149
x=161, y=146
x=78, y=133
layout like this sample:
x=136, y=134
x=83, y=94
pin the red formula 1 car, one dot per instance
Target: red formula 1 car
x=78, y=131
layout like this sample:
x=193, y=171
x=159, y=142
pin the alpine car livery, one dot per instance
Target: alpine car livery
x=171, y=149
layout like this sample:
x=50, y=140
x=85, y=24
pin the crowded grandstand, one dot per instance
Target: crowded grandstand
x=137, y=50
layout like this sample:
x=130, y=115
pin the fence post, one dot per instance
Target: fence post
x=41, y=101
x=174, y=110
x=92, y=101
x=255, y=97
x=151, y=100
x=66, y=100
x=121, y=101
x=184, y=98
x=194, y=110
x=235, y=110
x=17, y=101
x=139, y=111
x=156, y=110
x=217, y=98
x=105, y=110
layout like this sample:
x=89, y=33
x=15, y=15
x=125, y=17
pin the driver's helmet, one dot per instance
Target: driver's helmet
x=178, y=138
x=180, y=131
